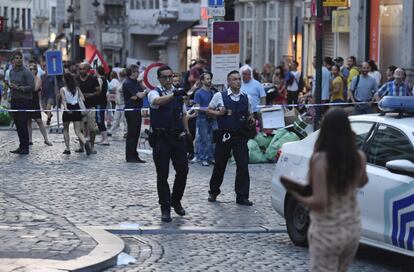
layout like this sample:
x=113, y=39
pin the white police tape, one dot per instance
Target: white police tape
x=276, y=106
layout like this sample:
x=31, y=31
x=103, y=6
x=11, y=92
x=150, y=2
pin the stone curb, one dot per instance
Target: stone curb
x=102, y=256
x=120, y=230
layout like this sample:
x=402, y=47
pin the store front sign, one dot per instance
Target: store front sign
x=335, y=3
x=340, y=20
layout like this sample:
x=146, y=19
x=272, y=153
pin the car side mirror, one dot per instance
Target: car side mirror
x=402, y=167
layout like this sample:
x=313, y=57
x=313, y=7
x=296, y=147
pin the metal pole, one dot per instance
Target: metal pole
x=319, y=52
x=58, y=129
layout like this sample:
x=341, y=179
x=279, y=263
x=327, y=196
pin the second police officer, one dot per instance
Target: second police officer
x=168, y=136
x=232, y=110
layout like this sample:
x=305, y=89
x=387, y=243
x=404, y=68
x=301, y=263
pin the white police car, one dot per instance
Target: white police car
x=386, y=202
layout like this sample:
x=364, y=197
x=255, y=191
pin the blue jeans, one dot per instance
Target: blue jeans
x=204, y=138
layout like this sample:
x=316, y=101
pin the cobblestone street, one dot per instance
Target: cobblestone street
x=46, y=196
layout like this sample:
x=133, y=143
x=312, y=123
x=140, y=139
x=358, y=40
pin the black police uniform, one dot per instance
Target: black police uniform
x=233, y=124
x=169, y=143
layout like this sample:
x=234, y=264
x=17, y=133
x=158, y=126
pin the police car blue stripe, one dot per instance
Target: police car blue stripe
x=405, y=219
x=410, y=240
x=397, y=206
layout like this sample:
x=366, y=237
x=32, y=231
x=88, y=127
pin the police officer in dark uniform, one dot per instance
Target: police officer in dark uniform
x=167, y=138
x=232, y=110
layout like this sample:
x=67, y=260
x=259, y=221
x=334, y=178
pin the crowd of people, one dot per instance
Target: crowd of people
x=193, y=122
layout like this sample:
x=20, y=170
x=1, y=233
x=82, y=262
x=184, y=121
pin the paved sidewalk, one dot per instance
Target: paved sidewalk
x=47, y=195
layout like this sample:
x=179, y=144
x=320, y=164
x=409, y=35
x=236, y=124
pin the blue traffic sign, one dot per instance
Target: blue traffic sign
x=215, y=3
x=54, y=63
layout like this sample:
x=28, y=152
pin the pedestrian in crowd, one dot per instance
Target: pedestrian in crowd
x=390, y=73
x=2, y=87
x=119, y=116
x=196, y=71
x=292, y=83
x=232, y=110
x=192, y=135
x=328, y=63
x=267, y=73
x=373, y=71
x=280, y=84
x=71, y=96
x=133, y=97
x=113, y=83
x=326, y=84
x=362, y=89
x=102, y=105
x=167, y=116
x=338, y=85
x=336, y=172
x=35, y=105
x=353, y=70
x=342, y=68
x=22, y=85
x=90, y=88
x=205, y=124
x=47, y=95
x=255, y=91
x=397, y=87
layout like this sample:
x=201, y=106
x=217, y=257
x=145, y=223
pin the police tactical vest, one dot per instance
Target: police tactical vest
x=169, y=116
x=239, y=113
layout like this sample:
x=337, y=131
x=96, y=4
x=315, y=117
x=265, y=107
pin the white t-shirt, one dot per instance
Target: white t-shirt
x=70, y=98
x=153, y=94
x=377, y=75
x=217, y=100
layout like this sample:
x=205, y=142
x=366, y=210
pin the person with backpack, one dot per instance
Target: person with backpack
x=362, y=89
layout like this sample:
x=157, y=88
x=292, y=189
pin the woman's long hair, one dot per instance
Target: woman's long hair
x=337, y=140
x=70, y=82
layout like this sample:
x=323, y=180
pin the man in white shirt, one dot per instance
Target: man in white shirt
x=254, y=90
x=231, y=108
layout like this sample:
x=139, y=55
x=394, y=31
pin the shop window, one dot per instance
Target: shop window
x=272, y=18
x=248, y=23
x=132, y=4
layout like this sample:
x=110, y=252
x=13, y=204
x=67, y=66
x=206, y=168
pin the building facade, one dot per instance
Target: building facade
x=160, y=30
x=270, y=31
x=16, y=20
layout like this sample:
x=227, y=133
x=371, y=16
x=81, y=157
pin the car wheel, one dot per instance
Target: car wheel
x=297, y=221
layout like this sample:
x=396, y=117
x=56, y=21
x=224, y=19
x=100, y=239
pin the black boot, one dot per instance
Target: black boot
x=165, y=213
x=179, y=209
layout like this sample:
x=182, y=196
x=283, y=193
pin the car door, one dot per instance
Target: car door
x=387, y=201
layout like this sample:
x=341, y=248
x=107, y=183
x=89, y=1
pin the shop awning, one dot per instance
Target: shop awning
x=175, y=29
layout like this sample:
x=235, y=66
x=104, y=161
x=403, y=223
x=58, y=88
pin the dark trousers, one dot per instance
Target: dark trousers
x=163, y=151
x=133, y=119
x=190, y=140
x=100, y=117
x=241, y=154
x=292, y=97
x=20, y=120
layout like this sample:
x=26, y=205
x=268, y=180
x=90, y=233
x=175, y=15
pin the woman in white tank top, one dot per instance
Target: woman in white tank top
x=71, y=95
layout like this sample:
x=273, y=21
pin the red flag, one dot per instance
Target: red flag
x=94, y=57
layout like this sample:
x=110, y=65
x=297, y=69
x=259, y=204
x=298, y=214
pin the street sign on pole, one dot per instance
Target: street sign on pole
x=216, y=3
x=225, y=50
x=54, y=63
x=216, y=12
